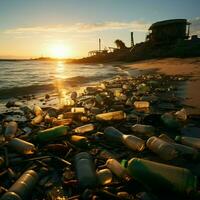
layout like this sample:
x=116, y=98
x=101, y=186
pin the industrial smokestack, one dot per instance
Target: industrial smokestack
x=99, y=44
x=132, y=40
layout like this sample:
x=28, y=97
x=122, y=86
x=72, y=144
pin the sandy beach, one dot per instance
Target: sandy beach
x=178, y=66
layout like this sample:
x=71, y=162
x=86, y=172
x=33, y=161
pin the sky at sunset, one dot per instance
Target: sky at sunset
x=33, y=28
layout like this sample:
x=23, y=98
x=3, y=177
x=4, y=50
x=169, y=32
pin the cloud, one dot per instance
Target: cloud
x=138, y=26
x=195, y=26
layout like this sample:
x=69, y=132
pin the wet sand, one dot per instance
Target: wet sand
x=178, y=66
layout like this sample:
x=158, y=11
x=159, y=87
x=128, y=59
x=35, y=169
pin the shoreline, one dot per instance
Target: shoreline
x=177, y=66
x=189, y=67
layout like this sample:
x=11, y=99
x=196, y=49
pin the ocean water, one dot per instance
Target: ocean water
x=19, y=78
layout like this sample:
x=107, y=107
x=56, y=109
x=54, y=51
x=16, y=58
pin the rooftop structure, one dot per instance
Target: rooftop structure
x=168, y=31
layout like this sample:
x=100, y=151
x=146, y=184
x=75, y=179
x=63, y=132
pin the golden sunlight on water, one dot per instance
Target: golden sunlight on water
x=60, y=71
x=59, y=84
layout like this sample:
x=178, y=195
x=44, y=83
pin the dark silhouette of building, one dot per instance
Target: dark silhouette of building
x=168, y=31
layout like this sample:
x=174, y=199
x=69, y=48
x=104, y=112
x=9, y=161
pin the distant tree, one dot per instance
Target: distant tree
x=120, y=44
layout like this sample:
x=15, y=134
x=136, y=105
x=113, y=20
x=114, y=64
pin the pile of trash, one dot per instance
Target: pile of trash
x=126, y=138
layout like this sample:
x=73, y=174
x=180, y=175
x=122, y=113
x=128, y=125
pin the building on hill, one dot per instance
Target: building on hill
x=168, y=31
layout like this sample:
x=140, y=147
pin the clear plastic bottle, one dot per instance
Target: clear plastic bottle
x=111, y=116
x=189, y=141
x=84, y=129
x=134, y=143
x=164, y=149
x=162, y=178
x=141, y=104
x=147, y=130
x=117, y=169
x=10, y=130
x=21, y=146
x=22, y=188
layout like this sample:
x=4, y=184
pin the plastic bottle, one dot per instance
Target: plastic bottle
x=182, y=150
x=164, y=149
x=133, y=142
x=147, y=130
x=85, y=170
x=37, y=120
x=170, y=121
x=10, y=130
x=37, y=110
x=58, y=122
x=181, y=114
x=166, y=138
x=186, y=151
x=189, y=141
x=111, y=116
x=141, y=104
x=21, y=146
x=162, y=178
x=117, y=169
x=113, y=134
x=51, y=133
x=78, y=110
x=22, y=188
x=104, y=176
x=79, y=141
x=84, y=129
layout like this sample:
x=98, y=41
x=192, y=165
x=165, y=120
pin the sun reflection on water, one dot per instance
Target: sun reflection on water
x=59, y=83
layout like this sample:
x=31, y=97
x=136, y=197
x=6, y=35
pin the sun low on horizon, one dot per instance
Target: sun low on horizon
x=58, y=50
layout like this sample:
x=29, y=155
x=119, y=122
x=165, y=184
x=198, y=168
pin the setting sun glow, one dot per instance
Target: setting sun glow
x=59, y=51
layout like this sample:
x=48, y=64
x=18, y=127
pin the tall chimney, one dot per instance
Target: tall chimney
x=132, y=40
x=99, y=44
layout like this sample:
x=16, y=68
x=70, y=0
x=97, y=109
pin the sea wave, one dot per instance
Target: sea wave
x=76, y=81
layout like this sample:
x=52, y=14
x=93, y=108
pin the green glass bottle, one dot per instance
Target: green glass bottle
x=51, y=133
x=162, y=178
